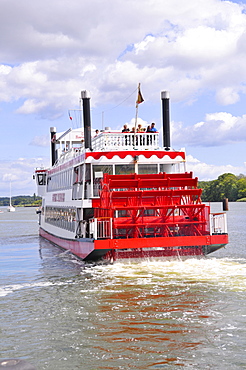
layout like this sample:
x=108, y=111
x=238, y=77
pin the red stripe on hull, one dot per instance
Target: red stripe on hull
x=139, y=248
x=162, y=242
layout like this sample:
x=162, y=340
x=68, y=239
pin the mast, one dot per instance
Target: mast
x=10, y=195
x=10, y=207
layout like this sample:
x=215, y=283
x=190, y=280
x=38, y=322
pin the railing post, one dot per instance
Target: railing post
x=211, y=223
x=111, y=228
x=95, y=229
x=140, y=140
x=225, y=223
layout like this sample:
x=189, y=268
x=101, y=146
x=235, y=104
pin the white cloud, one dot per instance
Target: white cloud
x=190, y=46
x=19, y=173
x=31, y=106
x=217, y=129
x=41, y=141
x=142, y=45
x=227, y=95
x=208, y=172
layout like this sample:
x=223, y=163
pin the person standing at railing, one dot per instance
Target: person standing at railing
x=152, y=127
x=125, y=129
x=96, y=133
x=134, y=138
x=140, y=129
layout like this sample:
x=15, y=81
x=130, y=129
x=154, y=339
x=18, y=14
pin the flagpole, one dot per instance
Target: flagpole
x=139, y=100
x=136, y=118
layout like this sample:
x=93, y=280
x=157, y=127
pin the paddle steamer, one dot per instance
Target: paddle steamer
x=121, y=195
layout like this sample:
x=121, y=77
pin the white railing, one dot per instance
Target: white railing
x=113, y=141
x=125, y=141
x=218, y=224
x=65, y=156
x=101, y=229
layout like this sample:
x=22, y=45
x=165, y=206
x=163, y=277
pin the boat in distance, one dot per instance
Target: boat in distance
x=120, y=195
x=10, y=208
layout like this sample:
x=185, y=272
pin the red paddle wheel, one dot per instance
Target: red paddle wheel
x=153, y=206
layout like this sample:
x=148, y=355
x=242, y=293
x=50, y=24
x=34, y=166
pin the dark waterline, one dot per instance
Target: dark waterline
x=58, y=313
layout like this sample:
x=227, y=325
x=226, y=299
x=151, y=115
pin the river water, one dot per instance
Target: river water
x=58, y=313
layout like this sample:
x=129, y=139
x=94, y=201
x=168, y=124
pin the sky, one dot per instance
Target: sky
x=51, y=50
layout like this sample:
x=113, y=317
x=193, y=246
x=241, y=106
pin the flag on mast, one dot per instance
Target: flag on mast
x=140, y=98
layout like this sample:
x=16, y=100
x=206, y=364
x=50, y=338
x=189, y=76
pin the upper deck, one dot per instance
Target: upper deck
x=126, y=141
x=71, y=143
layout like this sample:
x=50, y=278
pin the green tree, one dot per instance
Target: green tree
x=241, y=187
x=226, y=186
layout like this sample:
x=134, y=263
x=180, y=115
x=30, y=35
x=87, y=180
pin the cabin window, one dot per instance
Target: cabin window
x=78, y=173
x=87, y=181
x=87, y=172
x=168, y=168
x=147, y=168
x=102, y=168
x=63, y=217
x=60, y=181
x=41, y=178
x=126, y=169
x=98, y=171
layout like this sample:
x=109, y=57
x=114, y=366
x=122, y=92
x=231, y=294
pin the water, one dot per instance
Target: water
x=58, y=313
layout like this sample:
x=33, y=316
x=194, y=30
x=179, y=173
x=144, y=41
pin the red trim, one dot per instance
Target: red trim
x=145, y=153
x=38, y=171
x=139, y=247
x=162, y=242
x=110, y=155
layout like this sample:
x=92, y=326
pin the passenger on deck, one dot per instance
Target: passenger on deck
x=152, y=127
x=96, y=133
x=125, y=129
x=140, y=128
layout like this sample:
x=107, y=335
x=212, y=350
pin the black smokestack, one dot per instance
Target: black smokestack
x=166, y=119
x=85, y=95
x=53, y=145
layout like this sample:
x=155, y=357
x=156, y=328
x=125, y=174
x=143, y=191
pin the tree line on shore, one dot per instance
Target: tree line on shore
x=22, y=201
x=227, y=186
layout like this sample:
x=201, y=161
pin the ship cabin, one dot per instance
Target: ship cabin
x=112, y=152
